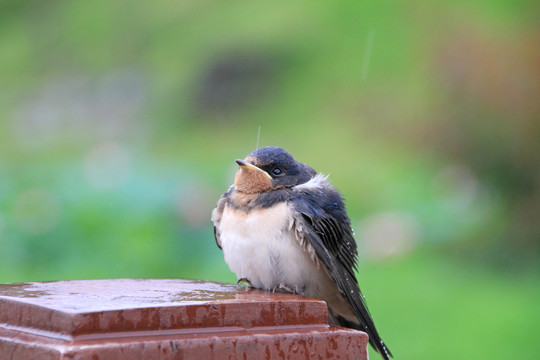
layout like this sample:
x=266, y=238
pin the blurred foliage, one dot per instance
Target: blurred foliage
x=120, y=122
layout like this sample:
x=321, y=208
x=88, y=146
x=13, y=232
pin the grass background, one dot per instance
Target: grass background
x=120, y=122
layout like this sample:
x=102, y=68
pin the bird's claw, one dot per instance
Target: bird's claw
x=244, y=282
x=285, y=288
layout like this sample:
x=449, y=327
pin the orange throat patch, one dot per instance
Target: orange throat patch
x=252, y=181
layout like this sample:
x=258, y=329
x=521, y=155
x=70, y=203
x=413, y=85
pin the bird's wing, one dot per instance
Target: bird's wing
x=217, y=213
x=321, y=219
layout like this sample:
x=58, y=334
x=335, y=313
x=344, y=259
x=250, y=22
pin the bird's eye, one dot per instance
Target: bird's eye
x=277, y=171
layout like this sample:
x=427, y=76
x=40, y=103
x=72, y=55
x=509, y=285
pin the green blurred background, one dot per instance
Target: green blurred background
x=120, y=122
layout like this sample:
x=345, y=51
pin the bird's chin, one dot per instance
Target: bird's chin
x=251, y=181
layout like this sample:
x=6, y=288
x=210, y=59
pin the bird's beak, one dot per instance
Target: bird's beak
x=250, y=167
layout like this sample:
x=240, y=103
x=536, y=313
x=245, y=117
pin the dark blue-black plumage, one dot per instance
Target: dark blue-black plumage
x=329, y=233
x=319, y=211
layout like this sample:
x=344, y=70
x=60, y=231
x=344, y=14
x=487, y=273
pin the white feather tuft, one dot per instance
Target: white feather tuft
x=316, y=182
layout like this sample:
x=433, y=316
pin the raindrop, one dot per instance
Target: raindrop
x=367, y=54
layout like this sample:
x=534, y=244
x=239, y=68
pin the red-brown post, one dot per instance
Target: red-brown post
x=166, y=319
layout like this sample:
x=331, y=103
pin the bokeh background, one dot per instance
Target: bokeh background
x=120, y=122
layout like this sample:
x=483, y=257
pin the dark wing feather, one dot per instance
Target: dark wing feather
x=217, y=213
x=325, y=225
x=216, y=236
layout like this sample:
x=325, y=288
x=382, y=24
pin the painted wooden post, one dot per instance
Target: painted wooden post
x=166, y=319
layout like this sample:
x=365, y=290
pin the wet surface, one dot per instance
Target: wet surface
x=70, y=309
x=100, y=295
x=165, y=318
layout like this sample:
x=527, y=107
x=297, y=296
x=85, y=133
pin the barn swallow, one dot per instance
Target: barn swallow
x=282, y=226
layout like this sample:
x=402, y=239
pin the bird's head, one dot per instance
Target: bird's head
x=270, y=168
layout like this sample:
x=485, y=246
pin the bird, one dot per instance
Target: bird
x=283, y=227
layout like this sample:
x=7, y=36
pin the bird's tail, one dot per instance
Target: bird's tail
x=352, y=322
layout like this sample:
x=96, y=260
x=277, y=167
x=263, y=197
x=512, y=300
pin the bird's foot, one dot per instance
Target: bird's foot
x=244, y=282
x=284, y=288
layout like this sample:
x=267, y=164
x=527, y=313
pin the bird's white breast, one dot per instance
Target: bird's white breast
x=261, y=247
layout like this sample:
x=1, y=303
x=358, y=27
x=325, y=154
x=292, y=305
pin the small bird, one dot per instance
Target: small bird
x=283, y=227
